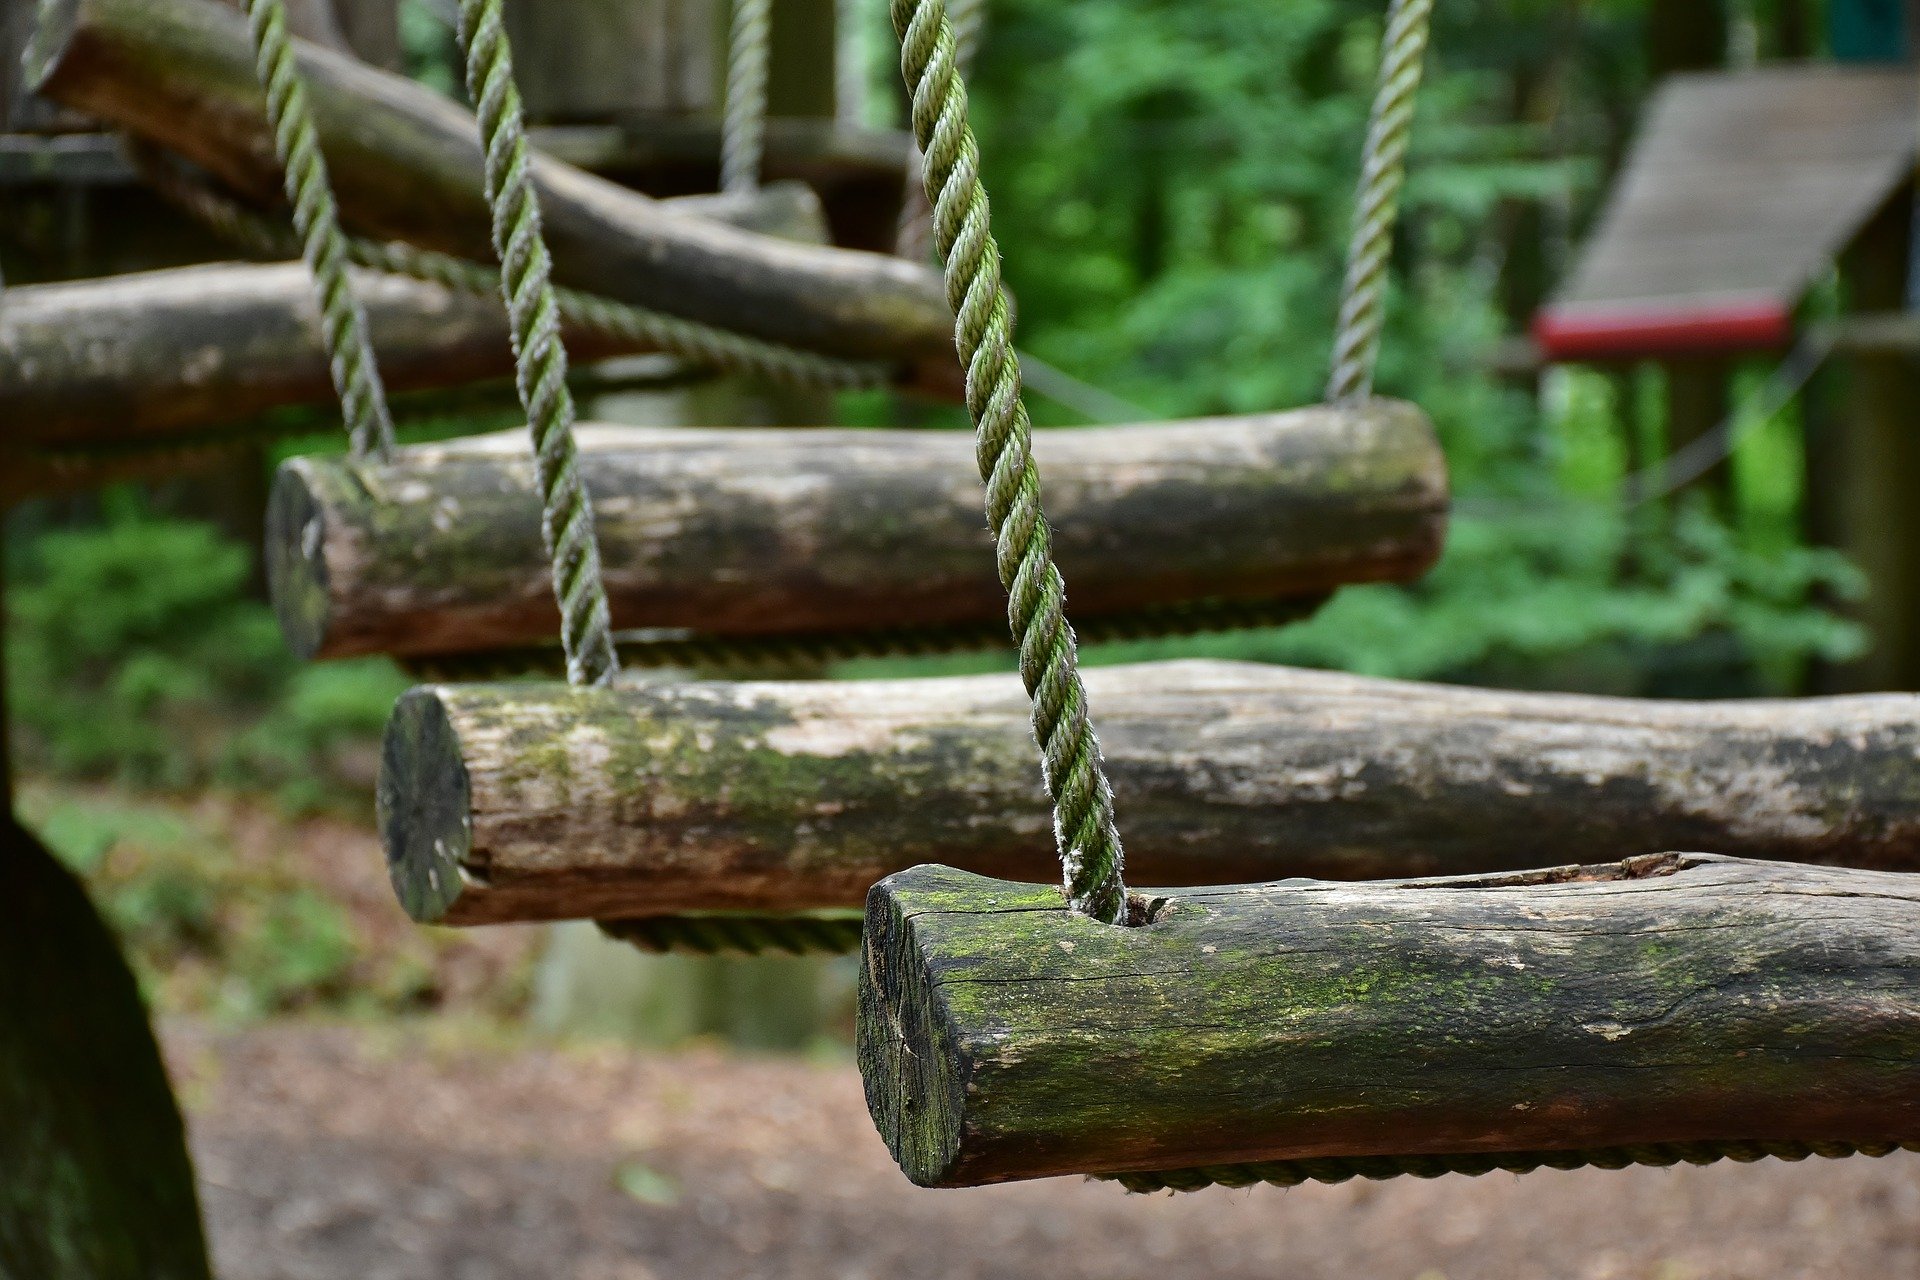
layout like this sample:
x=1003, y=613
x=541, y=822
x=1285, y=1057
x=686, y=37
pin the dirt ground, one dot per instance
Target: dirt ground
x=333, y=1151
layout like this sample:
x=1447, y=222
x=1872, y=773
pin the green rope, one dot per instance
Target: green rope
x=689, y=339
x=1383, y=171
x=1089, y=844
x=745, y=654
x=743, y=125
x=586, y=635
x=722, y=933
x=913, y=234
x=1292, y=1173
x=343, y=324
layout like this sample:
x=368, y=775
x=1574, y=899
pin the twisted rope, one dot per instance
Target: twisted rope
x=743, y=127
x=533, y=313
x=1292, y=1173
x=913, y=234
x=363, y=400
x=1383, y=171
x=691, y=340
x=725, y=934
x=1089, y=844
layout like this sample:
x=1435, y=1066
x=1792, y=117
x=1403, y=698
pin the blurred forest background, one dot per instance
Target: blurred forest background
x=1171, y=182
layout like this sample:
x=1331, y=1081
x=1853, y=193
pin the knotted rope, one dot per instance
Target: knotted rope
x=533, y=314
x=1089, y=844
x=743, y=126
x=1292, y=1173
x=1383, y=172
x=363, y=400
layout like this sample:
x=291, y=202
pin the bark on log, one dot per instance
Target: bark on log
x=793, y=531
x=532, y=801
x=1682, y=998
x=406, y=164
x=135, y=359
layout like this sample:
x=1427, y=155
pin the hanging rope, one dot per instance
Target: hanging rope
x=1084, y=830
x=743, y=126
x=343, y=324
x=913, y=235
x=1383, y=171
x=533, y=314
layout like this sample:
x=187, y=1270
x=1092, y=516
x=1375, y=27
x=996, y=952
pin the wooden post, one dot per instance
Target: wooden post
x=1590, y=1013
x=801, y=531
x=1864, y=464
x=407, y=164
x=597, y=60
x=533, y=801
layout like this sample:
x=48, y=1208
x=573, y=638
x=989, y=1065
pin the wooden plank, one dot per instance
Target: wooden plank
x=530, y=801
x=406, y=164
x=1531, y=1018
x=794, y=531
x=1742, y=186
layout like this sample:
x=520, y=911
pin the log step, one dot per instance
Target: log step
x=532, y=801
x=772, y=532
x=1681, y=1003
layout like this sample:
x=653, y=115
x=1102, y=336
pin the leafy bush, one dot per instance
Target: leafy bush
x=134, y=654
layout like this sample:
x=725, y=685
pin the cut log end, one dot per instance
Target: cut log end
x=424, y=802
x=54, y=28
x=297, y=561
x=907, y=1060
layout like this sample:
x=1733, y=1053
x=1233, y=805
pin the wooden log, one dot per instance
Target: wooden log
x=406, y=164
x=1593, y=1011
x=532, y=801
x=138, y=358
x=792, y=531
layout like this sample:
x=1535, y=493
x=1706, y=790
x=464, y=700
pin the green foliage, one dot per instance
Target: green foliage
x=1171, y=185
x=205, y=929
x=135, y=654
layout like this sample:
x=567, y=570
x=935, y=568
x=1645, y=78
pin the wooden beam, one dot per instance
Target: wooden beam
x=532, y=801
x=1682, y=998
x=406, y=164
x=138, y=359
x=794, y=531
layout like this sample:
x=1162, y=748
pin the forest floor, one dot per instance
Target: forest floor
x=425, y=1150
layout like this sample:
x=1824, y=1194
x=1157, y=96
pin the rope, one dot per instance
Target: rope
x=739, y=654
x=586, y=635
x=1383, y=172
x=913, y=235
x=689, y=339
x=343, y=324
x=726, y=934
x=743, y=127
x=1292, y=1173
x=1089, y=844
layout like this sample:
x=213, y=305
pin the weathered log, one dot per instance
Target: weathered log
x=137, y=358
x=1577, y=1016
x=406, y=164
x=532, y=801
x=795, y=531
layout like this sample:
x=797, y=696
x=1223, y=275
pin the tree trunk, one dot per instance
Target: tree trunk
x=808, y=531
x=533, y=801
x=1569, y=1017
x=407, y=164
x=95, y=1181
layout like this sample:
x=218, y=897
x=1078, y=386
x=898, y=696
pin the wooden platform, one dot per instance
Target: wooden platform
x=1739, y=191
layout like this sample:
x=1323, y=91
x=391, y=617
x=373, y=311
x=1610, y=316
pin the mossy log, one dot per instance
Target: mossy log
x=533, y=801
x=406, y=164
x=1593, y=1014
x=765, y=531
x=137, y=359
